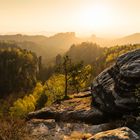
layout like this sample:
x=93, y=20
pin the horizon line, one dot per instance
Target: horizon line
x=80, y=35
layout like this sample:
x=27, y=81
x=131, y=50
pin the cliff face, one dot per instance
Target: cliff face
x=115, y=89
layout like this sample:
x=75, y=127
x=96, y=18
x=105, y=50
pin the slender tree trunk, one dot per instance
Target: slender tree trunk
x=65, y=66
x=66, y=83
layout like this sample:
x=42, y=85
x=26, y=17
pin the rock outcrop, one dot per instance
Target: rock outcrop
x=89, y=116
x=123, y=133
x=114, y=103
x=113, y=95
x=114, y=90
x=52, y=130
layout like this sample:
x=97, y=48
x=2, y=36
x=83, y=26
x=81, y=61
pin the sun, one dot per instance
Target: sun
x=97, y=16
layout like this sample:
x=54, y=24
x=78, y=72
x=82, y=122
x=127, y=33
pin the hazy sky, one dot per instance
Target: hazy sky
x=85, y=17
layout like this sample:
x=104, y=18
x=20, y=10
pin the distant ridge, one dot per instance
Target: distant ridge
x=130, y=39
x=49, y=47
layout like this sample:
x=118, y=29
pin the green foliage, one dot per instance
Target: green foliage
x=18, y=69
x=22, y=107
x=55, y=87
x=113, y=52
x=42, y=95
x=109, y=57
x=80, y=76
x=77, y=76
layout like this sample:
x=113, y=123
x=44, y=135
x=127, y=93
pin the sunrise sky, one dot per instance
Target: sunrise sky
x=85, y=17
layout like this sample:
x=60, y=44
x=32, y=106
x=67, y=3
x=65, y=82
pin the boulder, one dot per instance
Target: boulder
x=123, y=133
x=114, y=90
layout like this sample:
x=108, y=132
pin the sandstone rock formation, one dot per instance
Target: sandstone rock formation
x=123, y=133
x=114, y=90
x=113, y=94
x=52, y=130
x=114, y=103
x=89, y=116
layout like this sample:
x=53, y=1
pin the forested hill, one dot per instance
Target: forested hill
x=49, y=47
x=91, y=53
x=18, y=69
x=86, y=52
x=100, y=58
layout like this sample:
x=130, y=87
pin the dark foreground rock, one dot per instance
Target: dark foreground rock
x=89, y=116
x=114, y=90
x=72, y=110
x=123, y=133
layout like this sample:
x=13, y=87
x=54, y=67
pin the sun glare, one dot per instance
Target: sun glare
x=97, y=16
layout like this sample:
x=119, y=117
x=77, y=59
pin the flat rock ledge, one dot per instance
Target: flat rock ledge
x=41, y=129
x=93, y=116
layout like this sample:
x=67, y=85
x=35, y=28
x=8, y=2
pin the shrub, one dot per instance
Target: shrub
x=42, y=95
x=55, y=88
x=22, y=107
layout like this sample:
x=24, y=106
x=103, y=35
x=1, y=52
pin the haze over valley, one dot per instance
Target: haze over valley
x=49, y=47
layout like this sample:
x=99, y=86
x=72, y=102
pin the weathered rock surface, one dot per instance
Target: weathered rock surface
x=72, y=110
x=114, y=90
x=89, y=116
x=42, y=129
x=123, y=133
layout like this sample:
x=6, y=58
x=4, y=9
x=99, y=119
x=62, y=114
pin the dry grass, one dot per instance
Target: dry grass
x=74, y=103
x=13, y=129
